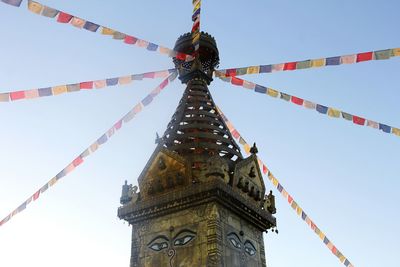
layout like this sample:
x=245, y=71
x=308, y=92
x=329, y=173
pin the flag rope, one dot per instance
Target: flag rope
x=93, y=147
x=196, y=25
x=331, y=112
x=87, y=85
x=315, y=63
x=66, y=18
x=295, y=206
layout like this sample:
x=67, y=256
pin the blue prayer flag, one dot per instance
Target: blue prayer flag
x=326, y=240
x=260, y=89
x=102, y=139
x=60, y=175
x=265, y=68
x=152, y=47
x=90, y=26
x=16, y=3
x=385, y=128
x=21, y=207
x=322, y=109
x=45, y=91
x=303, y=215
x=330, y=61
x=280, y=188
x=147, y=100
x=112, y=81
x=346, y=262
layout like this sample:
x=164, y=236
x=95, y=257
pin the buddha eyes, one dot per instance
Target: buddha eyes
x=159, y=243
x=248, y=246
x=183, y=240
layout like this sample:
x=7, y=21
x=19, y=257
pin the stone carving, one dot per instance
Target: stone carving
x=129, y=194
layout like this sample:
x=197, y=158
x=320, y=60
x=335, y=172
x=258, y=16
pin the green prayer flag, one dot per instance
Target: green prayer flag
x=73, y=87
x=347, y=116
x=303, y=64
x=285, y=97
x=383, y=54
x=49, y=12
x=241, y=71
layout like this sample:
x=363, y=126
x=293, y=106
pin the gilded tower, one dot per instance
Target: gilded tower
x=199, y=202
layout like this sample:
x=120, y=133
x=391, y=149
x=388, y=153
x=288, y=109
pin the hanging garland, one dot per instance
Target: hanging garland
x=93, y=147
x=331, y=112
x=75, y=87
x=295, y=206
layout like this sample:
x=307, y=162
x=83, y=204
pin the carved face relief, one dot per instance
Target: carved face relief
x=170, y=246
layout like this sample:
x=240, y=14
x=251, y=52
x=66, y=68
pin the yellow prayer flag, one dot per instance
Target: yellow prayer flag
x=164, y=50
x=246, y=148
x=272, y=92
x=35, y=7
x=342, y=258
x=333, y=113
x=299, y=210
x=57, y=90
x=125, y=80
x=107, y=31
x=197, y=5
x=253, y=70
x=316, y=63
x=274, y=181
x=78, y=22
x=396, y=52
x=396, y=131
x=52, y=181
x=321, y=235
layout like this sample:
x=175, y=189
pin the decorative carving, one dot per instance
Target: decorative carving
x=129, y=194
x=269, y=203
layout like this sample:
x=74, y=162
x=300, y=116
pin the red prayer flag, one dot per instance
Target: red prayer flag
x=86, y=85
x=77, y=161
x=297, y=101
x=358, y=120
x=364, y=56
x=180, y=56
x=17, y=95
x=195, y=26
x=163, y=84
x=290, y=66
x=237, y=81
x=64, y=17
x=235, y=134
x=130, y=39
x=149, y=75
x=231, y=72
x=118, y=125
x=36, y=195
x=265, y=169
x=334, y=250
x=290, y=199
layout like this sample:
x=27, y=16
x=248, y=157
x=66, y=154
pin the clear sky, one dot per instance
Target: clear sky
x=346, y=177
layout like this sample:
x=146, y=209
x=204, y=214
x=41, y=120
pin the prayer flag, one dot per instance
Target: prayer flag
x=152, y=47
x=235, y=134
x=149, y=75
x=249, y=85
x=53, y=181
x=94, y=147
x=64, y=17
x=364, y=56
x=246, y=148
x=128, y=116
x=303, y=64
x=348, y=59
x=35, y=7
x=57, y=90
x=299, y=211
x=90, y=26
x=231, y=72
x=297, y=101
x=316, y=63
x=334, y=113
x=86, y=85
x=241, y=71
x=21, y=207
x=118, y=125
x=69, y=168
x=277, y=67
x=138, y=77
x=44, y=188
x=85, y=153
x=112, y=81
x=303, y=215
x=78, y=22
x=118, y=35
x=237, y=81
x=110, y=132
x=309, y=104
x=346, y=262
x=347, y=116
x=147, y=100
x=33, y=93
x=163, y=84
x=4, y=97
x=17, y=95
x=373, y=124
x=107, y=31
x=385, y=128
x=102, y=139
x=290, y=199
x=265, y=68
x=242, y=141
x=36, y=195
x=358, y=120
x=294, y=205
x=49, y=12
x=16, y=3
x=260, y=89
x=138, y=108
x=285, y=97
x=321, y=109
x=60, y=175
x=330, y=61
x=396, y=131
x=280, y=188
x=290, y=66
x=142, y=43
x=382, y=54
x=45, y=91
x=130, y=39
x=321, y=235
x=253, y=70
x=125, y=80
x=164, y=50
x=73, y=87
x=77, y=161
x=264, y=169
x=395, y=52
x=272, y=92
x=100, y=84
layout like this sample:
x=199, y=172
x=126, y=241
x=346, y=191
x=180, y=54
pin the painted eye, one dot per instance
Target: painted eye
x=249, y=248
x=183, y=240
x=159, y=243
x=235, y=241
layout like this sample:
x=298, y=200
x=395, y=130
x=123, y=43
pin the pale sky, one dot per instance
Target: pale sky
x=344, y=176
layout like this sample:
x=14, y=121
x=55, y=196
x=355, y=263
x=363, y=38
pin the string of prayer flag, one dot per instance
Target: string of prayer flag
x=294, y=204
x=325, y=110
x=80, y=23
x=315, y=63
x=93, y=147
x=196, y=24
x=87, y=85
